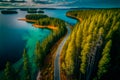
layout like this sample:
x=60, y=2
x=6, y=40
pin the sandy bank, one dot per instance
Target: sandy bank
x=38, y=26
x=49, y=27
x=24, y=19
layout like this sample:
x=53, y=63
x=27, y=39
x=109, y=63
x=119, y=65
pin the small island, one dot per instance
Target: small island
x=33, y=17
x=9, y=12
x=40, y=11
x=24, y=9
x=34, y=11
x=43, y=21
x=31, y=11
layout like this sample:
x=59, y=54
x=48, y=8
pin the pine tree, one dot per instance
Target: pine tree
x=26, y=67
x=104, y=61
x=9, y=72
x=70, y=56
x=39, y=55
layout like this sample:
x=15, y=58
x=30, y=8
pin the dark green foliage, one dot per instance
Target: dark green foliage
x=52, y=22
x=40, y=11
x=114, y=65
x=26, y=66
x=35, y=16
x=9, y=72
x=39, y=55
x=32, y=11
x=105, y=60
x=55, y=35
x=42, y=49
x=9, y=12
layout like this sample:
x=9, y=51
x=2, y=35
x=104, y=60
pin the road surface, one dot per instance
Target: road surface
x=57, y=57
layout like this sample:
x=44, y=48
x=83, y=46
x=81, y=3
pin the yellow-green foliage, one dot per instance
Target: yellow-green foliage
x=104, y=61
x=96, y=26
x=26, y=66
x=69, y=58
x=39, y=55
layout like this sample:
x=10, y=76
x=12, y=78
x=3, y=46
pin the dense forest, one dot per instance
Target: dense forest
x=9, y=12
x=92, y=50
x=33, y=10
x=41, y=50
x=90, y=53
x=35, y=16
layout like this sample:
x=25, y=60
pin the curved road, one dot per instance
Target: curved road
x=57, y=58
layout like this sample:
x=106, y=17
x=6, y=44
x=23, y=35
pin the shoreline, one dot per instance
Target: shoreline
x=79, y=19
x=38, y=26
x=49, y=27
x=24, y=19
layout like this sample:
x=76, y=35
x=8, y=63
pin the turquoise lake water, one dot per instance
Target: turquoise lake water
x=16, y=35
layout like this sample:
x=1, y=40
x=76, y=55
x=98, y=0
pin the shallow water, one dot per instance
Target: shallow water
x=16, y=35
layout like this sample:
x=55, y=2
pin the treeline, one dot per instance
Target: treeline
x=35, y=16
x=86, y=54
x=10, y=73
x=25, y=70
x=35, y=11
x=51, y=21
x=86, y=13
x=55, y=35
x=41, y=51
x=9, y=12
x=32, y=11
